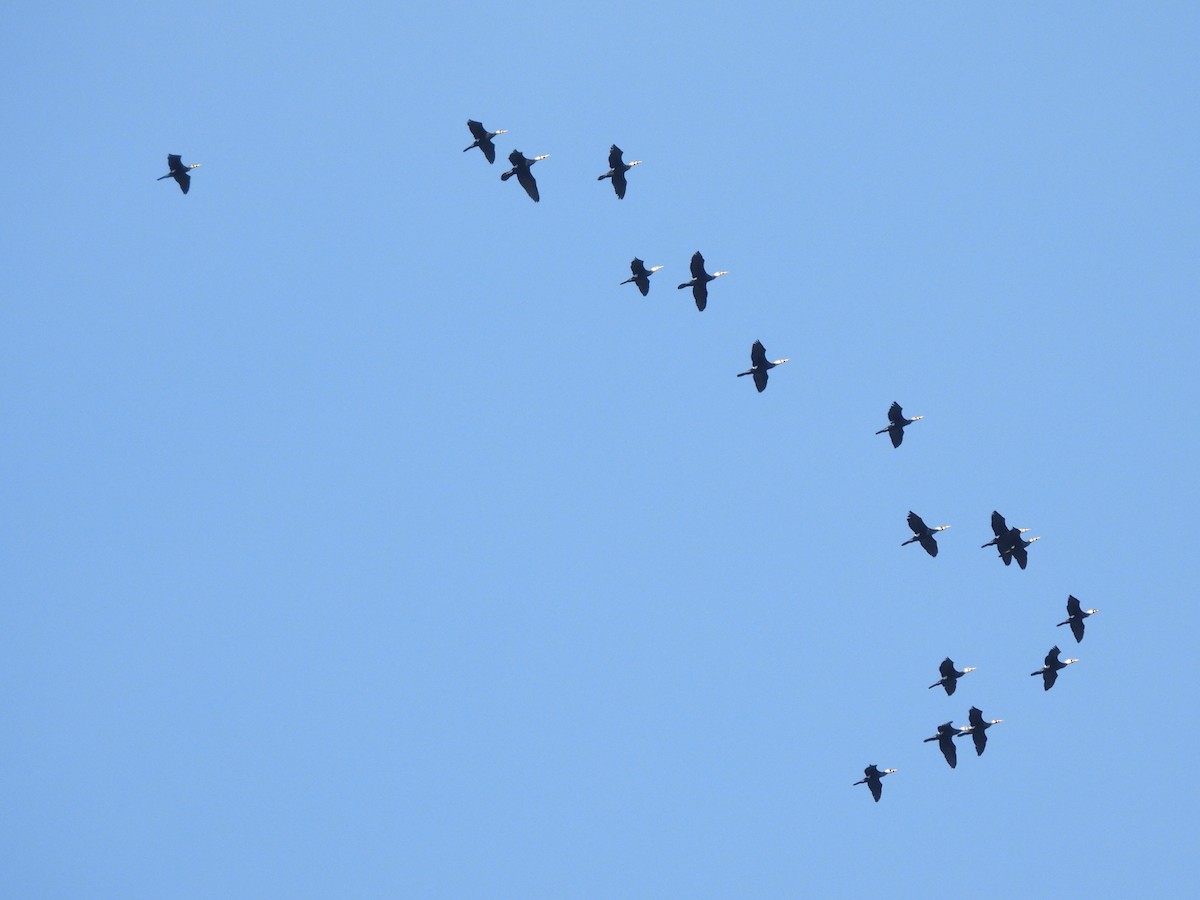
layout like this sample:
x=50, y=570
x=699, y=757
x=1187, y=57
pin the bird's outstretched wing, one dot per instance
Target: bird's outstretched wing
x=916, y=523
x=758, y=355
x=619, y=184
x=876, y=786
x=1077, y=629
x=488, y=148
x=614, y=157
x=760, y=379
x=979, y=736
x=999, y=526
x=182, y=177
x=947, y=668
x=477, y=130
x=700, y=294
x=1074, y=608
x=697, y=265
x=929, y=542
x=948, y=749
x=1019, y=553
x=896, y=414
x=174, y=161
x=896, y=433
x=638, y=268
x=1049, y=676
x=527, y=181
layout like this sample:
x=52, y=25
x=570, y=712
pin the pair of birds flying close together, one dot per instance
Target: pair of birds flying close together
x=1009, y=542
x=947, y=732
x=698, y=282
x=617, y=167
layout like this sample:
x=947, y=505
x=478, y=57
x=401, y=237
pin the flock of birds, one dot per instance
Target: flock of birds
x=1009, y=542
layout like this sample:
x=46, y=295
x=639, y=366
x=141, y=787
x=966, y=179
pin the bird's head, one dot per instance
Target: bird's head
x=195, y=165
x=1067, y=662
x=1023, y=530
x=995, y=721
x=1032, y=539
x=916, y=418
x=888, y=771
x=1091, y=612
x=501, y=131
x=941, y=528
x=636, y=162
x=780, y=362
x=968, y=669
x=654, y=269
x=719, y=274
x=537, y=158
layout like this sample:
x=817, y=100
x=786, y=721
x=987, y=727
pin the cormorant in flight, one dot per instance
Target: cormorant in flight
x=1075, y=616
x=1008, y=541
x=520, y=168
x=895, y=429
x=700, y=280
x=874, y=780
x=923, y=533
x=179, y=171
x=950, y=675
x=617, y=168
x=641, y=275
x=759, y=366
x=1049, y=671
x=945, y=740
x=483, y=139
x=978, y=729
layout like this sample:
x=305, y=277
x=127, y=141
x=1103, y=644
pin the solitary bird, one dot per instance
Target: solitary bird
x=978, y=729
x=923, y=533
x=1049, y=671
x=874, y=780
x=700, y=280
x=520, y=168
x=641, y=275
x=1008, y=541
x=179, y=171
x=1075, y=616
x=895, y=429
x=617, y=168
x=483, y=139
x=759, y=366
x=950, y=675
x=945, y=740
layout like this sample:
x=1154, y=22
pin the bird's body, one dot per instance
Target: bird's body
x=700, y=280
x=179, y=171
x=874, y=780
x=978, y=729
x=1052, y=667
x=950, y=675
x=1075, y=616
x=945, y=740
x=617, y=167
x=923, y=534
x=483, y=139
x=759, y=365
x=520, y=168
x=641, y=275
x=896, y=424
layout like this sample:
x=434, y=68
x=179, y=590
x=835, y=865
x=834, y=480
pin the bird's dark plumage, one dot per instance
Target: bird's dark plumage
x=641, y=275
x=1052, y=667
x=923, y=534
x=874, y=780
x=617, y=167
x=700, y=280
x=950, y=676
x=520, y=168
x=483, y=139
x=896, y=424
x=945, y=740
x=978, y=729
x=1075, y=616
x=179, y=171
x=760, y=365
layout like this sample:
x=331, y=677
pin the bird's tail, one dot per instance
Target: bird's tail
x=882, y=431
x=509, y=174
x=168, y=175
x=1068, y=622
x=605, y=175
x=909, y=541
x=686, y=284
x=1035, y=674
x=747, y=372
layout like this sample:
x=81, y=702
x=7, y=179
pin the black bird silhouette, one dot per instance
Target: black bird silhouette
x=700, y=280
x=1008, y=541
x=950, y=675
x=617, y=168
x=945, y=739
x=641, y=275
x=923, y=533
x=520, y=168
x=978, y=729
x=895, y=430
x=874, y=780
x=483, y=139
x=179, y=171
x=1075, y=616
x=1050, y=670
x=759, y=365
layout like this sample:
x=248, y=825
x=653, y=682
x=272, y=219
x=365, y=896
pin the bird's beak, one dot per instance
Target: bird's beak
x=502, y=131
x=914, y=418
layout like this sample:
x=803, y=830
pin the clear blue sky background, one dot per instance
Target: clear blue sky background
x=363, y=538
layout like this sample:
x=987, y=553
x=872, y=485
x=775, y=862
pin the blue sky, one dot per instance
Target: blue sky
x=363, y=537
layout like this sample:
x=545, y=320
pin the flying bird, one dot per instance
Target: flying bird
x=759, y=366
x=897, y=424
x=1050, y=670
x=617, y=168
x=874, y=780
x=945, y=739
x=1075, y=616
x=483, y=139
x=179, y=171
x=700, y=280
x=520, y=168
x=923, y=533
x=641, y=275
x=1018, y=546
x=950, y=675
x=978, y=729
